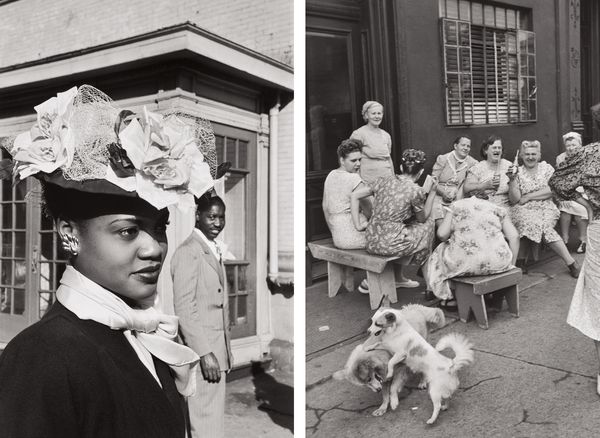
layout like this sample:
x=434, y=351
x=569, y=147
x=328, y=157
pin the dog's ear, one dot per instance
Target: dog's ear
x=340, y=375
x=390, y=318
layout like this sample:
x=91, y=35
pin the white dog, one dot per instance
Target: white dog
x=391, y=330
x=370, y=368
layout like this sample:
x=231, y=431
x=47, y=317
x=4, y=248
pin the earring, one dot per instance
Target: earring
x=70, y=244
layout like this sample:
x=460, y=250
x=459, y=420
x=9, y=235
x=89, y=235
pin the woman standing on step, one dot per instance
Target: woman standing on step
x=377, y=144
x=582, y=168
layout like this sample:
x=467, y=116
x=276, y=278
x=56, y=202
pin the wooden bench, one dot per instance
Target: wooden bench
x=341, y=263
x=470, y=294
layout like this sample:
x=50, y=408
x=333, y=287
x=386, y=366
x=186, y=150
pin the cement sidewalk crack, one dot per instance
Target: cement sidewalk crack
x=535, y=364
x=466, y=388
x=525, y=420
x=320, y=412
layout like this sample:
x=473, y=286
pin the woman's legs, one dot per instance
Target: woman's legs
x=581, y=227
x=561, y=250
x=565, y=223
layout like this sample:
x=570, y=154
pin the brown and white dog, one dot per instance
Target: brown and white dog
x=391, y=330
x=370, y=368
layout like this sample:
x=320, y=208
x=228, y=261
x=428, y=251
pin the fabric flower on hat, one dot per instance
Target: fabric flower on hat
x=170, y=169
x=48, y=145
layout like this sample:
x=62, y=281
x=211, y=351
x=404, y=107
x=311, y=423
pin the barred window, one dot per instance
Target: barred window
x=489, y=63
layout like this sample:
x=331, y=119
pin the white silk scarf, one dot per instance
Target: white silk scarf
x=149, y=331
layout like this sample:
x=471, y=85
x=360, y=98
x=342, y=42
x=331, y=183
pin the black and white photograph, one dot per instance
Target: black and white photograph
x=452, y=207
x=146, y=218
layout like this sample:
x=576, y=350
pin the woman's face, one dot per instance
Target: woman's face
x=123, y=252
x=351, y=162
x=530, y=157
x=571, y=145
x=494, y=152
x=374, y=115
x=462, y=148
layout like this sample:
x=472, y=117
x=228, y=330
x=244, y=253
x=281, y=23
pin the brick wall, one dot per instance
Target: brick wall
x=34, y=29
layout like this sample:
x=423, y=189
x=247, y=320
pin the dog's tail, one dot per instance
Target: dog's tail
x=433, y=315
x=462, y=347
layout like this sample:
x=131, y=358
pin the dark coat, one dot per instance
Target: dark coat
x=66, y=377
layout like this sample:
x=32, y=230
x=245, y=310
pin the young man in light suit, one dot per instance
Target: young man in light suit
x=200, y=299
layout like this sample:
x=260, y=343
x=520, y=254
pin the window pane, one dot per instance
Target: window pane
x=453, y=88
x=7, y=244
x=464, y=37
x=512, y=66
x=452, y=59
x=20, y=244
x=532, y=110
x=530, y=43
x=450, y=29
x=511, y=19
x=465, y=60
x=452, y=9
x=230, y=152
x=47, y=246
x=532, y=88
x=6, y=190
x=488, y=15
x=465, y=84
x=47, y=223
x=442, y=4
x=464, y=10
x=6, y=269
x=242, y=154
x=454, y=112
x=220, y=146
x=477, y=13
x=511, y=43
x=500, y=18
x=6, y=216
x=20, y=210
x=19, y=301
x=531, y=64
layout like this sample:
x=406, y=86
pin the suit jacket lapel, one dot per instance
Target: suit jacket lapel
x=212, y=260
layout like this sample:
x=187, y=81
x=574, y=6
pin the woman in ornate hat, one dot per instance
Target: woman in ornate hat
x=103, y=362
x=377, y=144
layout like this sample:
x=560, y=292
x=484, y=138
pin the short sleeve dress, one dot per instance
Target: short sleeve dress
x=451, y=173
x=393, y=229
x=482, y=172
x=570, y=207
x=339, y=185
x=376, y=160
x=536, y=220
x=475, y=247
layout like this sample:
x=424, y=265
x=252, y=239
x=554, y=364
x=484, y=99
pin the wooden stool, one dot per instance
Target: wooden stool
x=470, y=294
x=341, y=263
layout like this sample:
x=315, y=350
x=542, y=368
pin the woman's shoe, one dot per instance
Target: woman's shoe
x=581, y=248
x=449, y=305
x=574, y=269
x=408, y=284
x=363, y=287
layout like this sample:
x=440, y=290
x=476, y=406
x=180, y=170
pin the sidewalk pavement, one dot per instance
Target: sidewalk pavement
x=261, y=405
x=533, y=376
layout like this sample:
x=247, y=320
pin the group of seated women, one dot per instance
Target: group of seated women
x=487, y=214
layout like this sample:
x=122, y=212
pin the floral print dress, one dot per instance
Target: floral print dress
x=536, y=220
x=475, y=247
x=393, y=229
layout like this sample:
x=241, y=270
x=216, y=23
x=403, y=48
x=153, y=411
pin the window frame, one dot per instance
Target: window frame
x=460, y=94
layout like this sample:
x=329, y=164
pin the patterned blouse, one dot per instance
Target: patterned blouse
x=580, y=169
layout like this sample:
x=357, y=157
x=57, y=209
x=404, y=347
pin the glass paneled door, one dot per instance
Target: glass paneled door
x=30, y=262
x=239, y=147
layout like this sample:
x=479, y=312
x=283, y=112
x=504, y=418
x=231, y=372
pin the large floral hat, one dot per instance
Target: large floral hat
x=82, y=141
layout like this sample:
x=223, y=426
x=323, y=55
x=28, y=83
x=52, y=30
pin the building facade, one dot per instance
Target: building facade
x=524, y=69
x=229, y=62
